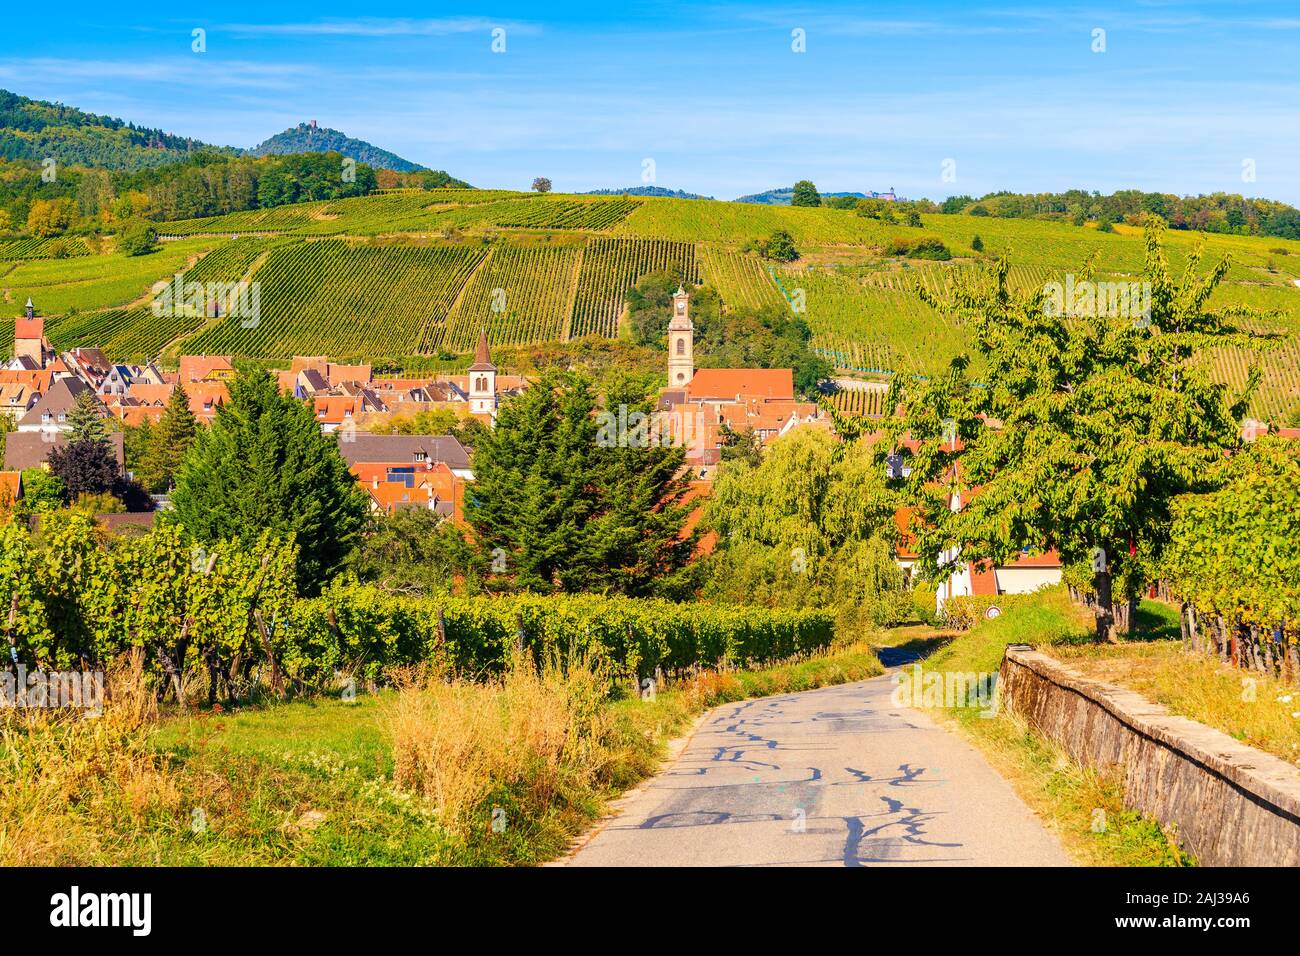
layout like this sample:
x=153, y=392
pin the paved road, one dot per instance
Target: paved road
x=830, y=777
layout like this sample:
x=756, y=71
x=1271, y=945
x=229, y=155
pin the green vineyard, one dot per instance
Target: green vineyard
x=520, y=295
x=135, y=335
x=331, y=298
x=741, y=280
x=276, y=219
x=867, y=402
x=588, y=214
x=612, y=266
x=408, y=274
x=231, y=261
x=863, y=326
x=14, y=249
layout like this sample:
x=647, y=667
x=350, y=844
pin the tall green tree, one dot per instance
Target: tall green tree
x=1085, y=426
x=805, y=194
x=168, y=443
x=566, y=500
x=811, y=524
x=265, y=466
x=86, y=419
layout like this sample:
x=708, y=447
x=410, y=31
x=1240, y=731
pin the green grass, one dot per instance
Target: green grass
x=313, y=782
x=1254, y=708
x=87, y=283
x=1064, y=794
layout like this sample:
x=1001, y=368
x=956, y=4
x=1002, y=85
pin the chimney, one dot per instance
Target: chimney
x=374, y=482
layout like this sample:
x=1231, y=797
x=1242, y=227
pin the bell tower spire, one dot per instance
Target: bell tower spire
x=681, y=342
x=483, y=379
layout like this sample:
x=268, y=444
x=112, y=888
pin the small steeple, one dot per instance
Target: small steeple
x=483, y=380
x=482, y=355
x=31, y=309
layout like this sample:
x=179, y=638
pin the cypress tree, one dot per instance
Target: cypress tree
x=264, y=465
x=168, y=443
x=571, y=505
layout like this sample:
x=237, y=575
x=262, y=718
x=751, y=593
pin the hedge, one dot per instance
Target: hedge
x=360, y=628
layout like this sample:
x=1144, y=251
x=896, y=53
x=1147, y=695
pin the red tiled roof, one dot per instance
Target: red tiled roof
x=983, y=582
x=10, y=484
x=196, y=368
x=906, y=540
x=725, y=384
x=29, y=328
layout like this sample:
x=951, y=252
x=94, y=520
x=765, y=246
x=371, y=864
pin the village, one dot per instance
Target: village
x=400, y=470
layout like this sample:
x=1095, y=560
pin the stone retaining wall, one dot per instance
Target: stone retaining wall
x=1233, y=805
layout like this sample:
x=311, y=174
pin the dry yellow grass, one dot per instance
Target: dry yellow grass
x=535, y=734
x=53, y=762
x=1253, y=707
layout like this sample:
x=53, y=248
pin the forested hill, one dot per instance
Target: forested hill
x=306, y=138
x=36, y=129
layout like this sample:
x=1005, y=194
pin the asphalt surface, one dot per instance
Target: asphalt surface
x=831, y=777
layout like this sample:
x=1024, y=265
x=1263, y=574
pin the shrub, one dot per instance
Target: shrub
x=351, y=626
x=963, y=613
x=927, y=247
x=139, y=238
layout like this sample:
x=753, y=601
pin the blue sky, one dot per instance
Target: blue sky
x=714, y=94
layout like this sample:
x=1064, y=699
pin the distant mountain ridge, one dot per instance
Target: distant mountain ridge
x=646, y=191
x=310, y=138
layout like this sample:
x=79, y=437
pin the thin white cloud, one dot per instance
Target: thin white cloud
x=378, y=27
x=196, y=70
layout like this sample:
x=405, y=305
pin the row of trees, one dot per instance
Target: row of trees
x=207, y=184
x=1218, y=212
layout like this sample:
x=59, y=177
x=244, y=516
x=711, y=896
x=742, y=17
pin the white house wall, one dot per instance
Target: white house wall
x=1015, y=580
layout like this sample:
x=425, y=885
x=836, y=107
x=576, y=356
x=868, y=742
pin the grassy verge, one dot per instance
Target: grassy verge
x=434, y=772
x=1083, y=807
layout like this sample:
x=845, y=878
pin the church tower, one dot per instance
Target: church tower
x=681, y=342
x=483, y=380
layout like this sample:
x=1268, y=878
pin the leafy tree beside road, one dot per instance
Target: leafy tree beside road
x=1081, y=433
